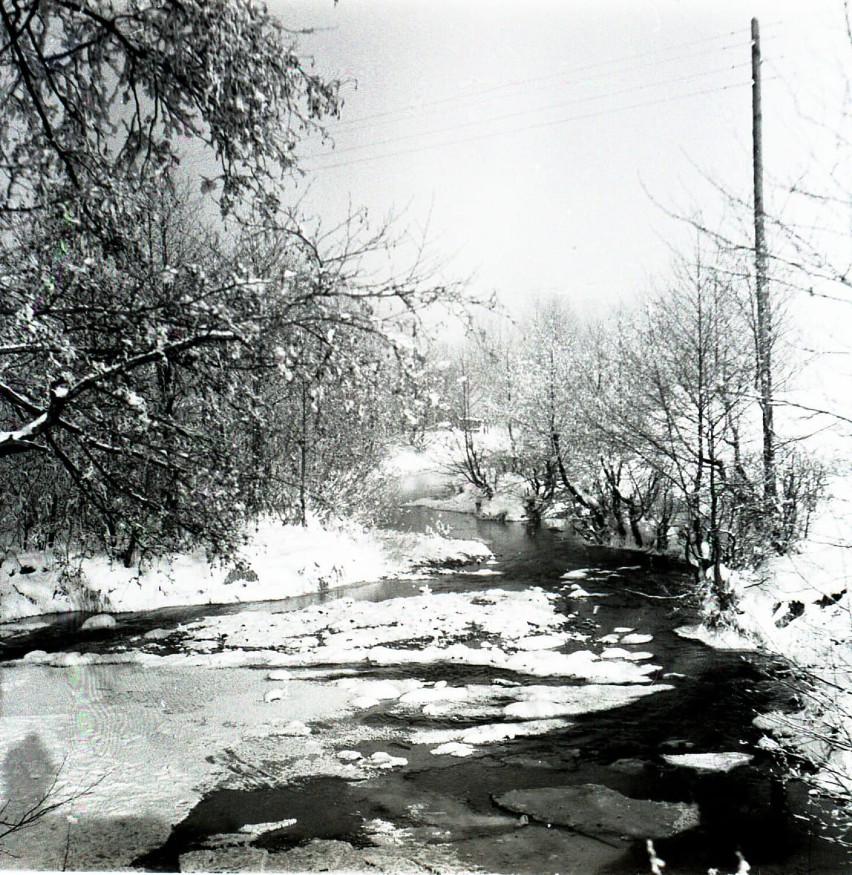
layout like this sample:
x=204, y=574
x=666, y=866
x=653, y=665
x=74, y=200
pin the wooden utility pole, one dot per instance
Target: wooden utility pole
x=764, y=309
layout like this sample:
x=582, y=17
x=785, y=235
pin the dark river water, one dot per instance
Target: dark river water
x=716, y=695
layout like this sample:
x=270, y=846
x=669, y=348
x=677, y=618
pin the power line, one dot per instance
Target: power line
x=532, y=110
x=539, y=126
x=565, y=72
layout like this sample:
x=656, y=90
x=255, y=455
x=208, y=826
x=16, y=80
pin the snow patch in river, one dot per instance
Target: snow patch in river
x=621, y=653
x=544, y=701
x=709, y=762
x=256, y=829
x=637, y=638
x=487, y=733
x=454, y=749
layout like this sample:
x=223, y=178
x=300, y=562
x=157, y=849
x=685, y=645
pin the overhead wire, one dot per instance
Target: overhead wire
x=533, y=110
x=537, y=126
x=464, y=97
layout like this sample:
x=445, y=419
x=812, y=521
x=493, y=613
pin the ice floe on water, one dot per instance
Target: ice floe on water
x=593, y=809
x=543, y=642
x=99, y=621
x=384, y=760
x=621, y=653
x=371, y=689
x=577, y=573
x=619, y=637
x=256, y=829
x=575, y=591
x=637, y=638
x=522, y=628
x=348, y=624
x=546, y=701
x=349, y=756
x=709, y=762
x=517, y=634
x=454, y=749
x=487, y=733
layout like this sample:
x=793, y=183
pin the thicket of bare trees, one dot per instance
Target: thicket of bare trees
x=644, y=428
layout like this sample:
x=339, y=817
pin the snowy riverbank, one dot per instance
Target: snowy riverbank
x=279, y=561
x=799, y=606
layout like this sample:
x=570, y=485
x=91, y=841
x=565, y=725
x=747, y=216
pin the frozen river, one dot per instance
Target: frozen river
x=480, y=722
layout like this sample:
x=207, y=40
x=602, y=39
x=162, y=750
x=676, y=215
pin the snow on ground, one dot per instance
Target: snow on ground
x=282, y=561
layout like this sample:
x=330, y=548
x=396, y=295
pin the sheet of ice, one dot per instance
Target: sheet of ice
x=621, y=653
x=158, y=634
x=576, y=591
x=487, y=733
x=378, y=690
x=637, y=638
x=577, y=573
x=428, y=695
x=544, y=701
x=543, y=642
x=139, y=741
x=256, y=829
x=384, y=760
x=709, y=762
x=454, y=749
x=349, y=756
x=581, y=664
x=99, y=621
x=347, y=625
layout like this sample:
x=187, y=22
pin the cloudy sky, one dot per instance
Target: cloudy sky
x=535, y=136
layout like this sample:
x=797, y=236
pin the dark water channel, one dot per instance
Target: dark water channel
x=716, y=694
